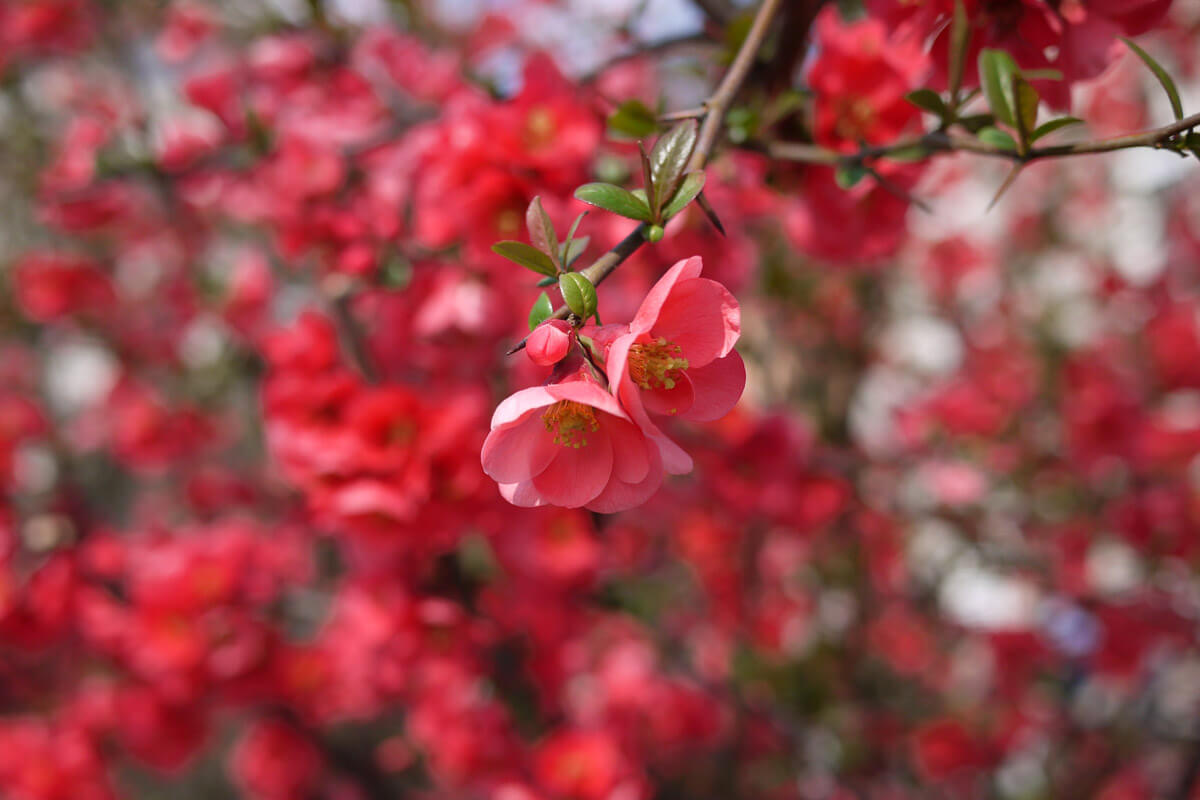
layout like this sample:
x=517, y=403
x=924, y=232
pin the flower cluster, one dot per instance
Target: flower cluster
x=586, y=438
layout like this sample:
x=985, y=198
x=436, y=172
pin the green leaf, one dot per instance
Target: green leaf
x=649, y=185
x=1047, y=128
x=633, y=119
x=1192, y=142
x=541, y=311
x=541, y=228
x=928, y=100
x=669, y=158
x=575, y=226
x=977, y=122
x=578, y=293
x=550, y=281
x=692, y=184
x=574, y=249
x=1041, y=75
x=1167, y=82
x=527, y=256
x=848, y=175
x=1025, y=106
x=911, y=152
x=997, y=138
x=996, y=70
x=615, y=199
x=960, y=40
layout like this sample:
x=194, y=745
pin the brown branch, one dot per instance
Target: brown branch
x=353, y=338
x=721, y=99
x=721, y=12
x=713, y=116
x=948, y=142
x=646, y=49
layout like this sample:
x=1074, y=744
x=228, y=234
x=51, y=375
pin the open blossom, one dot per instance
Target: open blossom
x=677, y=359
x=570, y=444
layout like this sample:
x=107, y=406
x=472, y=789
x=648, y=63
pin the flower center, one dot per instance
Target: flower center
x=570, y=422
x=656, y=365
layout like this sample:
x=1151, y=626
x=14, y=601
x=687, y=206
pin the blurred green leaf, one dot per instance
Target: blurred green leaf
x=1025, y=107
x=996, y=71
x=848, y=175
x=928, y=100
x=1167, y=82
x=633, y=119
x=997, y=138
x=1047, y=128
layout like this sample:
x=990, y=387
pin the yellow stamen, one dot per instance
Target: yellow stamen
x=570, y=422
x=656, y=365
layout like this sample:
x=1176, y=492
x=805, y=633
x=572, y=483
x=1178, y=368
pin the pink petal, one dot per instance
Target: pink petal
x=670, y=402
x=517, y=404
x=702, y=317
x=619, y=495
x=718, y=386
x=521, y=494
x=675, y=459
x=631, y=451
x=577, y=475
x=648, y=312
x=518, y=451
x=588, y=393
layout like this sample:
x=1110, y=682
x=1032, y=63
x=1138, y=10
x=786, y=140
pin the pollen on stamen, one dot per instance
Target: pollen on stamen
x=570, y=422
x=657, y=364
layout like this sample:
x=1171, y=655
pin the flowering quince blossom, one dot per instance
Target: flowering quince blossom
x=601, y=450
x=570, y=444
x=677, y=358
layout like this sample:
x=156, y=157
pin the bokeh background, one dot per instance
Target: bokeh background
x=252, y=334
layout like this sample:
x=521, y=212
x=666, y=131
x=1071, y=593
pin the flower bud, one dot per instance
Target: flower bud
x=655, y=234
x=549, y=342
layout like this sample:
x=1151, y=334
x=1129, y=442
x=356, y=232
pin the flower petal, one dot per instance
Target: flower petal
x=521, y=494
x=513, y=407
x=717, y=387
x=577, y=475
x=631, y=451
x=619, y=495
x=671, y=402
x=647, y=313
x=675, y=459
x=518, y=451
x=702, y=317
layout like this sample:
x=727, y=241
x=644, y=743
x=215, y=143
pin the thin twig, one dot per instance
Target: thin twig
x=713, y=116
x=948, y=142
x=645, y=49
x=354, y=340
x=721, y=12
x=727, y=90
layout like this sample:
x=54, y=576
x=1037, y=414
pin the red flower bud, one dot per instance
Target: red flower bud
x=549, y=342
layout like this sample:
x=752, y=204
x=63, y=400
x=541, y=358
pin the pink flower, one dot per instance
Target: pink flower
x=549, y=342
x=570, y=444
x=677, y=358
